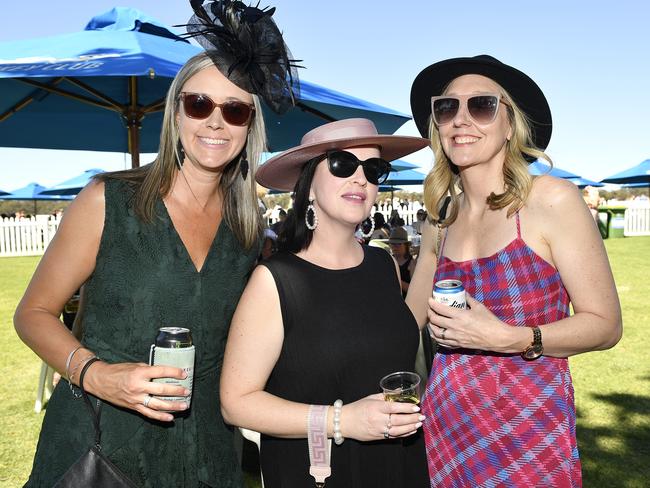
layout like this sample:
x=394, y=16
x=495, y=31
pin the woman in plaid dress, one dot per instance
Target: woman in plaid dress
x=499, y=401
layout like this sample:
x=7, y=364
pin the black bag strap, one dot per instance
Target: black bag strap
x=443, y=210
x=96, y=415
x=429, y=345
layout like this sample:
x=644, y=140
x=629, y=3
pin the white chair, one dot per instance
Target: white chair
x=255, y=437
x=44, y=390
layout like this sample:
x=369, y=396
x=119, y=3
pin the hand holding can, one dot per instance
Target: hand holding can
x=174, y=347
x=450, y=293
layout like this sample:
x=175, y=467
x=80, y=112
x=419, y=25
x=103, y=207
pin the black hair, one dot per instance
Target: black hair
x=294, y=234
x=380, y=221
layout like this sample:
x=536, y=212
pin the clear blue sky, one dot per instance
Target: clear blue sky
x=591, y=58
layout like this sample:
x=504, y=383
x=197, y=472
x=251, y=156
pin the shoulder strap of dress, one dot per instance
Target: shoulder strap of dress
x=518, y=225
x=443, y=238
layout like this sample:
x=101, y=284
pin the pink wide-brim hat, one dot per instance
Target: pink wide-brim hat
x=282, y=171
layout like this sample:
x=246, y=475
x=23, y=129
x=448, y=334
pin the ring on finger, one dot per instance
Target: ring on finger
x=386, y=434
x=389, y=424
x=442, y=336
x=146, y=401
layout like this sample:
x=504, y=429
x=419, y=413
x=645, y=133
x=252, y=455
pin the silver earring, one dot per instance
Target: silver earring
x=372, y=227
x=314, y=222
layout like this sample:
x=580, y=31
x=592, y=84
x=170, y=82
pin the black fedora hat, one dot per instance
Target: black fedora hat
x=433, y=79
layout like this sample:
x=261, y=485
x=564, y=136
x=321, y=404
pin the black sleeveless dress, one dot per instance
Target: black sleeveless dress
x=144, y=279
x=343, y=331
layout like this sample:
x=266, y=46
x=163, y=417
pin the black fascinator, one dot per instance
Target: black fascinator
x=247, y=47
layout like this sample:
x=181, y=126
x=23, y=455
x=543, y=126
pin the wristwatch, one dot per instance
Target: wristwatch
x=536, y=349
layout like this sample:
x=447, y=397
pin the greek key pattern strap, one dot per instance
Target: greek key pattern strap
x=319, y=445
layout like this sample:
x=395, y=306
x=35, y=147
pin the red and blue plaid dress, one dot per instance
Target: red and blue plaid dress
x=497, y=420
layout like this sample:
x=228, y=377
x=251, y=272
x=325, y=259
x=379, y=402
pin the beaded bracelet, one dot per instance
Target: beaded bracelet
x=338, y=437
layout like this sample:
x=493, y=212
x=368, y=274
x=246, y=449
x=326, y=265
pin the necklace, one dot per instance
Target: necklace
x=201, y=206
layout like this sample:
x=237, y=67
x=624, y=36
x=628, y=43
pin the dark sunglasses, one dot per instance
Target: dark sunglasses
x=343, y=164
x=482, y=109
x=233, y=112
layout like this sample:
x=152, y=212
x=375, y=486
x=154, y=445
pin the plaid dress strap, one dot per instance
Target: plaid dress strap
x=497, y=420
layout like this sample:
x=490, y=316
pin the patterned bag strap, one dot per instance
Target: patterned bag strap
x=319, y=444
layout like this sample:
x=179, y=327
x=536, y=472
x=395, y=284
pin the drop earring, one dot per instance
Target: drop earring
x=181, y=155
x=314, y=221
x=243, y=163
x=372, y=227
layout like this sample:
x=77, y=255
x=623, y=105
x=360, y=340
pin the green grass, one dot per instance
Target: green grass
x=612, y=387
x=19, y=370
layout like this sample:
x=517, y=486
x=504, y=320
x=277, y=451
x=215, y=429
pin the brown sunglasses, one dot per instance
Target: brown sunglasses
x=234, y=112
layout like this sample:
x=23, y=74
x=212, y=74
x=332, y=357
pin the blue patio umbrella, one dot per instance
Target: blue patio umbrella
x=406, y=177
x=639, y=174
x=582, y=182
x=634, y=185
x=538, y=168
x=103, y=89
x=73, y=185
x=385, y=188
x=400, y=165
x=32, y=192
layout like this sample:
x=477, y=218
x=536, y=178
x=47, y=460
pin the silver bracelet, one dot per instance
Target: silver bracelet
x=69, y=360
x=338, y=437
x=79, y=364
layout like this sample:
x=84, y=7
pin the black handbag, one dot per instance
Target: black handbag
x=93, y=469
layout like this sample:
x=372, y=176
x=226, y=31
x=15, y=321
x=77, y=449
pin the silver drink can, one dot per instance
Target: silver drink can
x=450, y=293
x=174, y=347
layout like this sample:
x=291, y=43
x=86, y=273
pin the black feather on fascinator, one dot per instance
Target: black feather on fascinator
x=246, y=45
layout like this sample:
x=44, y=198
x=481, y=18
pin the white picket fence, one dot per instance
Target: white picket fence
x=637, y=221
x=27, y=237
x=30, y=237
x=406, y=210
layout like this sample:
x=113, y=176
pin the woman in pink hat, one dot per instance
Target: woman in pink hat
x=322, y=321
x=499, y=401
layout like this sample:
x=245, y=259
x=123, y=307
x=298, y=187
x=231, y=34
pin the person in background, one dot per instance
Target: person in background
x=591, y=196
x=382, y=229
x=168, y=244
x=394, y=218
x=420, y=217
x=400, y=248
x=302, y=337
x=524, y=248
x=282, y=216
x=269, y=246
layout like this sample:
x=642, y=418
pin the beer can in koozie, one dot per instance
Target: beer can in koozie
x=450, y=293
x=174, y=347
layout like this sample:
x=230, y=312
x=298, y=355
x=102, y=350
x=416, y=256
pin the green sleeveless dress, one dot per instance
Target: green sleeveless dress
x=144, y=279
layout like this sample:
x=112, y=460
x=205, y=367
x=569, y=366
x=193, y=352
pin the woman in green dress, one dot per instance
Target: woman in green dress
x=169, y=244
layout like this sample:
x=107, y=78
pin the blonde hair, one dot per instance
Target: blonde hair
x=240, y=201
x=444, y=178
